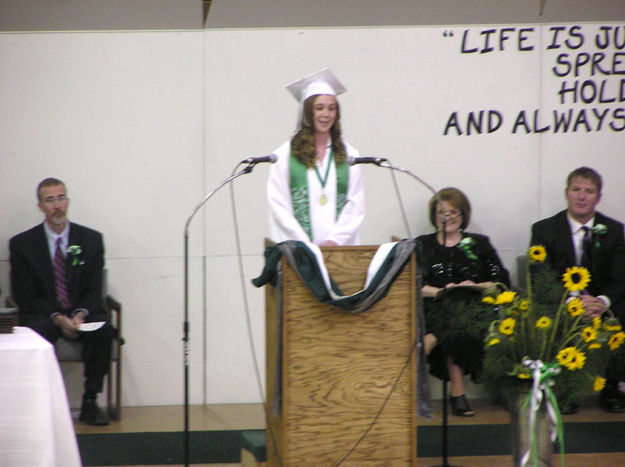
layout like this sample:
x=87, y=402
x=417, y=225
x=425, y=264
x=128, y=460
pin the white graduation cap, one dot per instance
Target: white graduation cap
x=321, y=82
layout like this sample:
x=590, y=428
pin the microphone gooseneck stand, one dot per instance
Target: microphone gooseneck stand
x=185, y=329
x=382, y=162
x=444, y=426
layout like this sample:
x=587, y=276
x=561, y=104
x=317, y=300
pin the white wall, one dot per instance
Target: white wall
x=118, y=117
x=142, y=125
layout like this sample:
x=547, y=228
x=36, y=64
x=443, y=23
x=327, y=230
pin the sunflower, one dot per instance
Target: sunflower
x=488, y=299
x=598, y=384
x=611, y=326
x=507, y=326
x=616, y=340
x=537, y=254
x=575, y=307
x=565, y=356
x=594, y=345
x=589, y=334
x=543, y=323
x=524, y=304
x=524, y=376
x=505, y=297
x=576, y=278
x=577, y=362
x=493, y=341
x=596, y=322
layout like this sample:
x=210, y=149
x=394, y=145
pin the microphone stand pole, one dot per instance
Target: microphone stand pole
x=444, y=435
x=185, y=327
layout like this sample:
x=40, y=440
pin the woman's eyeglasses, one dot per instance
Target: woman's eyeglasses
x=449, y=214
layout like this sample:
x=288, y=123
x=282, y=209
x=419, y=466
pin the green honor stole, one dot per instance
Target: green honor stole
x=299, y=189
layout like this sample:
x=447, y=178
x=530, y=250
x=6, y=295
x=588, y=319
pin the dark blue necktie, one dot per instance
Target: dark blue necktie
x=586, y=245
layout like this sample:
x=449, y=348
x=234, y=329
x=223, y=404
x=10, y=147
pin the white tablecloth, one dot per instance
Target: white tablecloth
x=36, y=426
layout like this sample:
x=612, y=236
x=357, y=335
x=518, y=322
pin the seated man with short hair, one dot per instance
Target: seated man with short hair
x=582, y=236
x=56, y=281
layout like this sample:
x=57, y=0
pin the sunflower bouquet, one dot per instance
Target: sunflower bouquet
x=547, y=324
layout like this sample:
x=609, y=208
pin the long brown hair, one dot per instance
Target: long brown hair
x=303, y=143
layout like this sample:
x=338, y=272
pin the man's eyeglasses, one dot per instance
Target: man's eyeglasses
x=58, y=199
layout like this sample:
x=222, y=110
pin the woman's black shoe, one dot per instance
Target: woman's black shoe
x=460, y=406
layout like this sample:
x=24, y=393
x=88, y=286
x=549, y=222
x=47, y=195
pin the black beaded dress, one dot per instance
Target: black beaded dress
x=458, y=318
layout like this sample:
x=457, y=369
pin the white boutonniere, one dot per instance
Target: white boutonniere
x=75, y=251
x=598, y=230
x=465, y=245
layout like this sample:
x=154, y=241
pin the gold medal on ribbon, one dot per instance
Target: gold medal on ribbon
x=323, y=200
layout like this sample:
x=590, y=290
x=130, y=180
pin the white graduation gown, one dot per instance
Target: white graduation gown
x=324, y=225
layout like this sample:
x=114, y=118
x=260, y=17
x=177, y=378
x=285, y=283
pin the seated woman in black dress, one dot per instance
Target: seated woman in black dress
x=456, y=267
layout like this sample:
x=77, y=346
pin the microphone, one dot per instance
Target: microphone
x=271, y=158
x=366, y=160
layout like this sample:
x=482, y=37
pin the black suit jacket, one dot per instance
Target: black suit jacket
x=607, y=255
x=32, y=272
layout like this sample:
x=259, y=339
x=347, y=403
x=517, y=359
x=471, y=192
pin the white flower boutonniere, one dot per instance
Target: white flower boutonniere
x=75, y=251
x=598, y=230
x=465, y=245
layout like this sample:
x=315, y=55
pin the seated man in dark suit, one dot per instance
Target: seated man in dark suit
x=582, y=236
x=56, y=280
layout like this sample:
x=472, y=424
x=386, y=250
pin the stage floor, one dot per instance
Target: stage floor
x=251, y=416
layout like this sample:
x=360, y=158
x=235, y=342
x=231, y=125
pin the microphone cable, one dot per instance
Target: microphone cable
x=378, y=414
x=386, y=163
x=400, y=201
x=248, y=322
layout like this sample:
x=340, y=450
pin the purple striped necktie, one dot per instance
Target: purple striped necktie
x=59, y=276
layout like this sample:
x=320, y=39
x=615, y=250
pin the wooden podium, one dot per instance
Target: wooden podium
x=329, y=377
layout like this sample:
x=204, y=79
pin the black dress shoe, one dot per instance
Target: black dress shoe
x=91, y=414
x=569, y=408
x=611, y=400
x=460, y=406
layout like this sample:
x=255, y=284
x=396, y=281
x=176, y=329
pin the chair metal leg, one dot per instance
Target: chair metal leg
x=115, y=403
x=114, y=408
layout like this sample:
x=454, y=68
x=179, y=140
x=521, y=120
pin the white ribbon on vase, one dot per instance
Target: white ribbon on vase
x=542, y=375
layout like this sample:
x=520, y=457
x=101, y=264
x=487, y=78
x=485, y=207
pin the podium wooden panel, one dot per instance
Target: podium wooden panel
x=338, y=369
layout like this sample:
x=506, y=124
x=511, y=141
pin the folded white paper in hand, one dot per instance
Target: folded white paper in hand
x=86, y=327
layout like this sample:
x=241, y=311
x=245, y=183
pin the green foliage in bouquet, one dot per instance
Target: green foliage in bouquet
x=548, y=323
